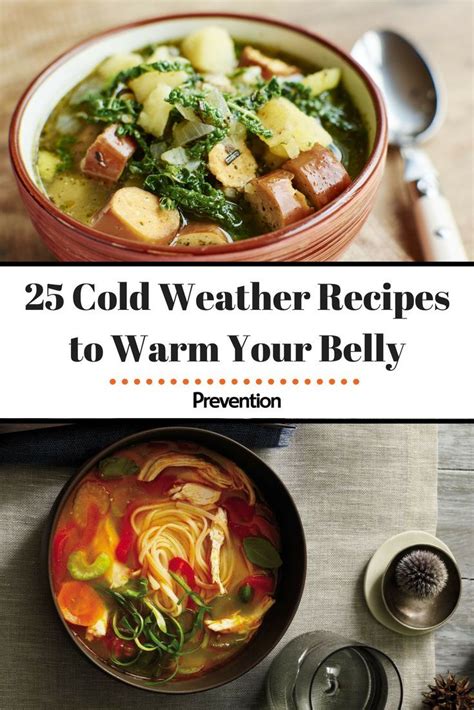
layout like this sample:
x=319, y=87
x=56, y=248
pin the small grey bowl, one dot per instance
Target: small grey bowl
x=413, y=612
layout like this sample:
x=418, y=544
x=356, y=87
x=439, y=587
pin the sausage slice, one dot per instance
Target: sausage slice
x=133, y=213
x=319, y=175
x=201, y=234
x=107, y=156
x=252, y=57
x=275, y=201
x=232, y=163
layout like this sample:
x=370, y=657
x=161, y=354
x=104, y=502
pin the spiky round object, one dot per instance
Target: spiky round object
x=422, y=574
x=449, y=693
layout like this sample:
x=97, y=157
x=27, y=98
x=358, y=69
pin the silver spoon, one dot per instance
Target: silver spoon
x=415, y=108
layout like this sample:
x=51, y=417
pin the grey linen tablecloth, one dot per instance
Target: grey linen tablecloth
x=355, y=486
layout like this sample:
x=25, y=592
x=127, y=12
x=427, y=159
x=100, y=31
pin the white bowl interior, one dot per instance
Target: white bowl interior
x=76, y=67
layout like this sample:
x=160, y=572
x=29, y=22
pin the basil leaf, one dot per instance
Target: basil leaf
x=117, y=466
x=261, y=552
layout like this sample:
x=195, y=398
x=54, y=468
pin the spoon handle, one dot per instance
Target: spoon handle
x=437, y=229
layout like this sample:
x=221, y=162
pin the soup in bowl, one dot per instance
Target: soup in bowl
x=167, y=564
x=190, y=137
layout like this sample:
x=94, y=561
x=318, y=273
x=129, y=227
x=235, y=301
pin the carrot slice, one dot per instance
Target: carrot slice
x=80, y=604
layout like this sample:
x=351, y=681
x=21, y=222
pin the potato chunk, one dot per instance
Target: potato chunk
x=293, y=131
x=270, y=66
x=319, y=175
x=210, y=50
x=47, y=165
x=232, y=163
x=291, y=128
x=323, y=80
x=156, y=110
x=143, y=85
x=166, y=52
x=201, y=234
x=275, y=201
x=152, y=89
x=133, y=213
x=111, y=66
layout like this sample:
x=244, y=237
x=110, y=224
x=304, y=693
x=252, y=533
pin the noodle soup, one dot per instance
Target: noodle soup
x=164, y=560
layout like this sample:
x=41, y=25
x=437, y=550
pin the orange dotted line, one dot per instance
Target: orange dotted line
x=234, y=381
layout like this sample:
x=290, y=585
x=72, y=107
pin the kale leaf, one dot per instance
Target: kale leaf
x=326, y=106
x=189, y=97
x=245, y=107
x=191, y=190
x=201, y=147
x=163, y=66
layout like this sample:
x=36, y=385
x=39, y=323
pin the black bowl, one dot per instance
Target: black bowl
x=293, y=552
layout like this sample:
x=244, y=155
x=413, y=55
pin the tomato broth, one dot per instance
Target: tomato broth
x=164, y=560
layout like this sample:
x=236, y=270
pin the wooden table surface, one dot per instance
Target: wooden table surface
x=454, y=647
x=454, y=641
x=38, y=30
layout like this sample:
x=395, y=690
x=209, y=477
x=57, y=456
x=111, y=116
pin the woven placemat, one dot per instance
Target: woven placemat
x=355, y=486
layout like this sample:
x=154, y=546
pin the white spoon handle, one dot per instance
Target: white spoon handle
x=437, y=229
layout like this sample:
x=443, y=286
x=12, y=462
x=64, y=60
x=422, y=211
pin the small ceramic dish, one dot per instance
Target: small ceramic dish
x=293, y=552
x=422, y=614
x=322, y=236
x=377, y=567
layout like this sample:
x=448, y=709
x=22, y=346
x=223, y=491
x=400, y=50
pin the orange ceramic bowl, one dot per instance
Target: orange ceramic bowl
x=322, y=236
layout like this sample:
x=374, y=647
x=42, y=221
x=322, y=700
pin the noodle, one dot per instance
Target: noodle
x=168, y=530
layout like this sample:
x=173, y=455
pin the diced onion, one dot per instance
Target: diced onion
x=187, y=113
x=188, y=131
x=164, y=52
x=294, y=77
x=175, y=156
x=179, y=157
x=220, y=81
x=237, y=131
x=215, y=99
x=67, y=124
x=157, y=149
x=87, y=87
x=250, y=75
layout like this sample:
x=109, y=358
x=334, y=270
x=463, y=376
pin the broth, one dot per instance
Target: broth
x=164, y=560
x=206, y=181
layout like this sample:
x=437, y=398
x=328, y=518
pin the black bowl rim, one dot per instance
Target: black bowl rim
x=128, y=440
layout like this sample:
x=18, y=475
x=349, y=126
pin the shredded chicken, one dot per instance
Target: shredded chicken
x=118, y=574
x=195, y=493
x=216, y=534
x=240, y=623
x=99, y=628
